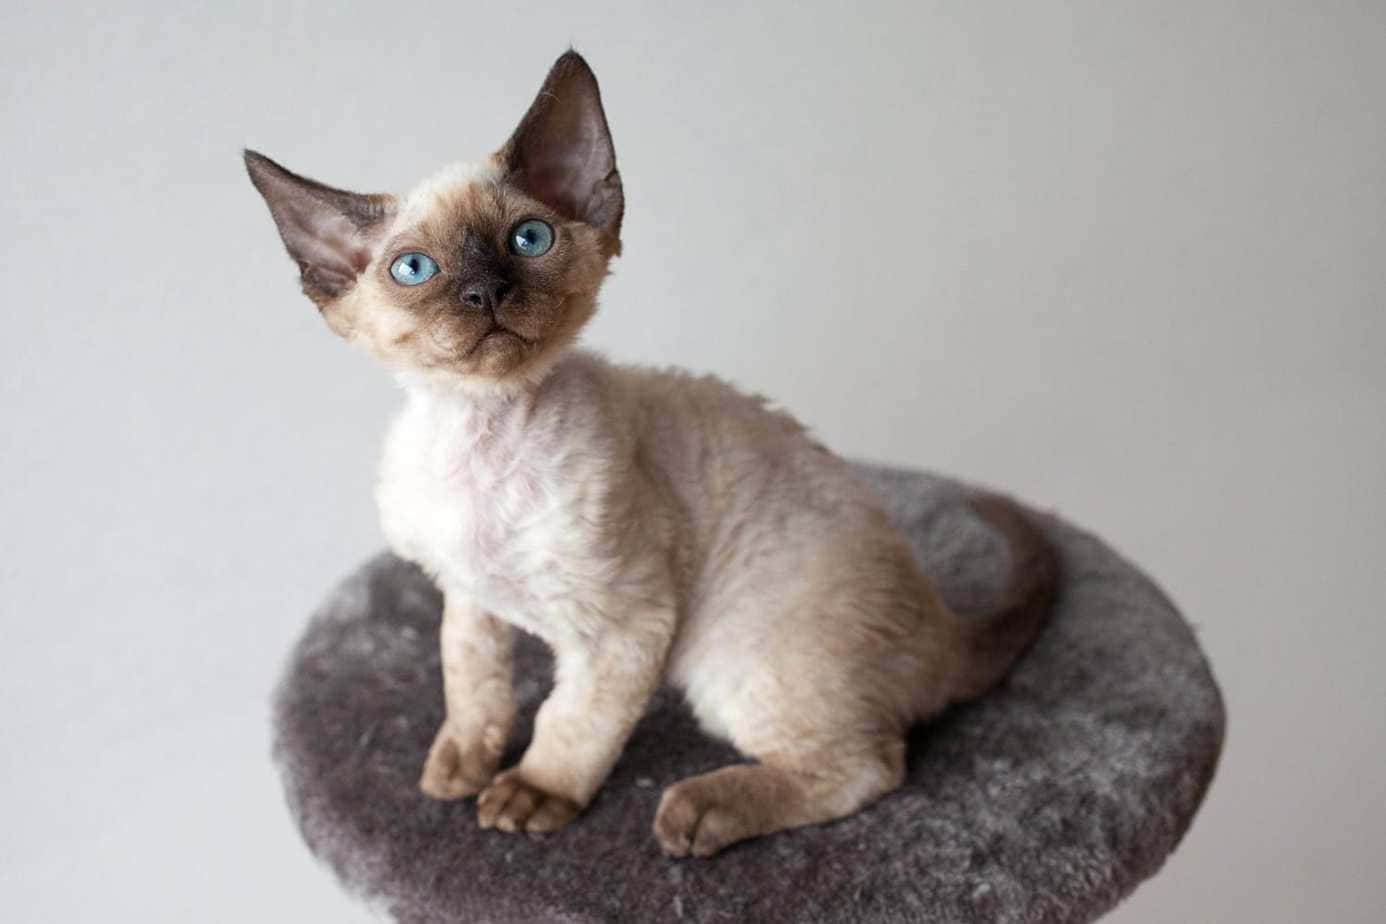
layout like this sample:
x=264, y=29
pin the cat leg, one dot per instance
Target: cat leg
x=600, y=691
x=479, y=700
x=704, y=814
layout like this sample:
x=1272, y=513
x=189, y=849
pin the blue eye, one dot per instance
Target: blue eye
x=413, y=268
x=531, y=238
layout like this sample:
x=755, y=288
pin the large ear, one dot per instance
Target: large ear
x=330, y=233
x=561, y=153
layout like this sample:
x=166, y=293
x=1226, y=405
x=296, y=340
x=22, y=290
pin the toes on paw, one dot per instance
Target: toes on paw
x=690, y=822
x=511, y=804
x=675, y=823
x=716, y=829
x=552, y=814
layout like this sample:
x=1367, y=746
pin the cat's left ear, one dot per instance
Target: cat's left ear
x=331, y=233
x=561, y=153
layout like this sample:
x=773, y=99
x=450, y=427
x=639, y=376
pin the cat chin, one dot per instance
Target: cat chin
x=501, y=365
x=495, y=354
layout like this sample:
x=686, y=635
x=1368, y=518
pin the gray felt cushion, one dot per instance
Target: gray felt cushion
x=1048, y=799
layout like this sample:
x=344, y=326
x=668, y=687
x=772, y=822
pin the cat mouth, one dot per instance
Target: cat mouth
x=497, y=332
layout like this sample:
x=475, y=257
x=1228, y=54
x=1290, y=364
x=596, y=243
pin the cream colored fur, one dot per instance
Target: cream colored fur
x=650, y=526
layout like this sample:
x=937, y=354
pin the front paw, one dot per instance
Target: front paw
x=513, y=803
x=461, y=765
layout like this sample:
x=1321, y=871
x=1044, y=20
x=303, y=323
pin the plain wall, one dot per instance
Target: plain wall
x=1125, y=260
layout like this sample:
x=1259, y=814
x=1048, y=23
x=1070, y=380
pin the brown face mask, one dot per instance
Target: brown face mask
x=483, y=273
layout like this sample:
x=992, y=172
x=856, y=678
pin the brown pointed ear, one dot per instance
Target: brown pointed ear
x=561, y=153
x=330, y=233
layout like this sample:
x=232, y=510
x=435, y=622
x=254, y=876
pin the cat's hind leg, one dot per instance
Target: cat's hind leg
x=704, y=814
x=815, y=672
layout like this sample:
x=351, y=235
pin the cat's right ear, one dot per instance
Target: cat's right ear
x=331, y=234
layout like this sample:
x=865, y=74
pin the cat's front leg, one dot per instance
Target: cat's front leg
x=477, y=656
x=600, y=691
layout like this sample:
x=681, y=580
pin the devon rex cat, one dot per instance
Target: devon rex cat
x=649, y=525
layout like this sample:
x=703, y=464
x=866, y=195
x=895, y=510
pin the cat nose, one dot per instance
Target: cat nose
x=486, y=294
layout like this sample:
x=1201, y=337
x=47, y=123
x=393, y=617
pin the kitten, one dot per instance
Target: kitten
x=650, y=526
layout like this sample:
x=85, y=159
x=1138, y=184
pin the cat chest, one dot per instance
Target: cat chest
x=498, y=539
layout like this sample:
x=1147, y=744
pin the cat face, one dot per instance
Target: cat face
x=474, y=279
x=483, y=273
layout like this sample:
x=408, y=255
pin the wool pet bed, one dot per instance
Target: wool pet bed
x=1048, y=799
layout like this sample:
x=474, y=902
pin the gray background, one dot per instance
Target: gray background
x=1123, y=259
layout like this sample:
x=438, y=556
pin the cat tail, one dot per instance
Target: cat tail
x=995, y=642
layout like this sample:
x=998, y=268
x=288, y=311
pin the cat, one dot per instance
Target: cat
x=649, y=526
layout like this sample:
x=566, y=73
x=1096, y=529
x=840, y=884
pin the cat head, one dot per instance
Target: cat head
x=482, y=274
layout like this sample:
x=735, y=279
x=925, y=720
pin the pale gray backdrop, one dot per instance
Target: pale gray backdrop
x=1124, y=259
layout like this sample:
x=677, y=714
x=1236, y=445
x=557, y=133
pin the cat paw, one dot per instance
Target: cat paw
x=458, y=766
x=694, y=818
x=512, y=803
